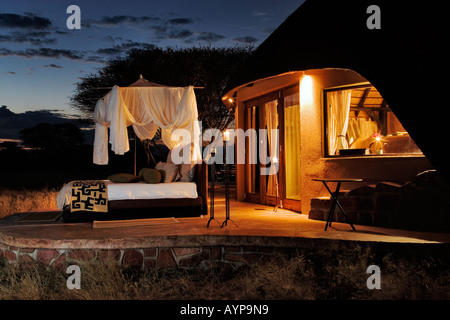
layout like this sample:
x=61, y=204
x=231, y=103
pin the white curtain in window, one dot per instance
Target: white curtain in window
x=292, y=146
x=361, y=128
x=338, y=111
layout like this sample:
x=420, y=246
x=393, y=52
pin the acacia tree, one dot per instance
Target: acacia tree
x=52, y=137
x=210, y=68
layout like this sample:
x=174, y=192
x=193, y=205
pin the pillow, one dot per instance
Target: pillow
x=187, y=172
x=168, y=171
x=142, y=171
x=123, y=178
x=152, y=176
x=169, y=160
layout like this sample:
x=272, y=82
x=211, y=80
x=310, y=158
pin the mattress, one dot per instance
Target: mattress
x=137, y=191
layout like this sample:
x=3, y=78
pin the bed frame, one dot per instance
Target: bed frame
x=154, y=208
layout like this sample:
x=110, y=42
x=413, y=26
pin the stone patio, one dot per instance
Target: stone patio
x=255, y=232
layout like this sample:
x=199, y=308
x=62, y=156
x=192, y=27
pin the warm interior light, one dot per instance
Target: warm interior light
x=306, y=90
x=226, y=135
x=230, y=100
x=275, y=159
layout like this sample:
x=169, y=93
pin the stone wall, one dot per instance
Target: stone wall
x=228, y=257
x=421, y=204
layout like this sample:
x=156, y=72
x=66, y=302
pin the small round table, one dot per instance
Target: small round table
x=335, y=196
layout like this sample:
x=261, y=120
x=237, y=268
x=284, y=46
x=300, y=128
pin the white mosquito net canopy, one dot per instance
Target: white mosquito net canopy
x=147, y=106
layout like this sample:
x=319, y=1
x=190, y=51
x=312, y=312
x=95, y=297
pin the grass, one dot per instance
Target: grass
x=307, y=275
x=14, y=201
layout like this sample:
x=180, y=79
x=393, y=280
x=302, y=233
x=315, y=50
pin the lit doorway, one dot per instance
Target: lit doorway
x=278, y=113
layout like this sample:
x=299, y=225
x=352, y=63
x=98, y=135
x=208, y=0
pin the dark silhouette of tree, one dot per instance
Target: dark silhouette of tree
x=206, y=67
x=49, y=137
x=9, y=146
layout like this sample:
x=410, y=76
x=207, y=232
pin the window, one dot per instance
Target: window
x=359, y=122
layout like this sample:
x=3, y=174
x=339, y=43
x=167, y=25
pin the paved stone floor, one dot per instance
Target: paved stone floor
x=250, y=224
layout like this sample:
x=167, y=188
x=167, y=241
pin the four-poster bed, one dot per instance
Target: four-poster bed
x=146, y=107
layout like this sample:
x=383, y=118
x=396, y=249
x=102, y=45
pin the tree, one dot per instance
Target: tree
x=9, y=146
x=51, y=137
x=206, y=67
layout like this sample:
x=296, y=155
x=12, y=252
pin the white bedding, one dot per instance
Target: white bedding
x=140, y=190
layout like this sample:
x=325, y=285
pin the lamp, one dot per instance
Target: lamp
x=226, y=138
x=376, y=146
x=213, y=176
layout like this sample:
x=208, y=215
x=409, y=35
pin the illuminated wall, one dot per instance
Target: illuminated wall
x=313, y=162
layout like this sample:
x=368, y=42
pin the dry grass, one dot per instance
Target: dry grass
x=321, y=275
x=302, y=277
x=14, y=201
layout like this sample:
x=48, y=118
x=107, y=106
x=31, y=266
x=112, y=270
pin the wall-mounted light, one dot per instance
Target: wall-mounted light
x=306, y=90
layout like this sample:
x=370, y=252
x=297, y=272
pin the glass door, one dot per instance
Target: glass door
x=292, y=149
x=252, y=166
x=271, y=163
x=278, y=114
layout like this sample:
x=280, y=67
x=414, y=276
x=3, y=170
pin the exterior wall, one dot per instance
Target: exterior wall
x=372, y=169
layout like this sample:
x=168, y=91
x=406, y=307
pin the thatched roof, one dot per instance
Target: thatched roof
x=403, y=60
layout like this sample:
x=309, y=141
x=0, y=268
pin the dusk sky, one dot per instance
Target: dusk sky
x=41, y=60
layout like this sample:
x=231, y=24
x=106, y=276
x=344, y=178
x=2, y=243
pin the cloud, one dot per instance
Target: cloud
x=246, y=39
x=163, y=28
x=114, y=20
x=259, y=13
x=129, y=44
x=118, y=49
x=96, y=59
x=179, y=34
x=109, y=51
x=36, y=38
x=109, y=21
x=160, y=31
x=124, y=19
x=28, y=21
x=111, y=39
x=102, y=55
x=54, y=66
x=209, y=36
x=180, y=21
x=43, y=53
